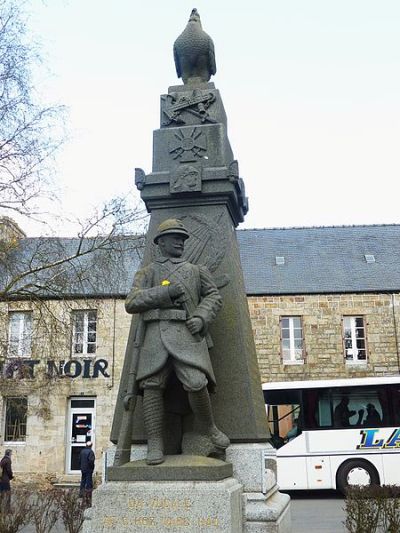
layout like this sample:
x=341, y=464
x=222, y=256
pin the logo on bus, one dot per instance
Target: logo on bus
x=370, y=441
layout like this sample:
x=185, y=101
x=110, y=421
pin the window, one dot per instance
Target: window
x=292, y=339
x=346, y=407
x=354, y=339
x=15, y=422
x=84, y=324
x=19, y=333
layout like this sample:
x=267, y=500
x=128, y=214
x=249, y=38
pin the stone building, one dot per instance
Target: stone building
x=324, y=303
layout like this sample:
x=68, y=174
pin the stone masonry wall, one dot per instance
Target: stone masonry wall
x=44, y=451
x=322, y=332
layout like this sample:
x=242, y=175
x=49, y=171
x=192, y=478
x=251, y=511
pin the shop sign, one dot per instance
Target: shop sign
x=71, y=368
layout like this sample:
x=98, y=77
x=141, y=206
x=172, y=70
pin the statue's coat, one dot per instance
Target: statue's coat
x=166, y=332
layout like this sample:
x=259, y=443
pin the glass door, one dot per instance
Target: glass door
x=80, y=430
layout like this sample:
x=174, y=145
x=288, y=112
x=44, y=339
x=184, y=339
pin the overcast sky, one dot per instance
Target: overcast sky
x=311, y=89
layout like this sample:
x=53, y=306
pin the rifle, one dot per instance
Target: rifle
x=123, y=451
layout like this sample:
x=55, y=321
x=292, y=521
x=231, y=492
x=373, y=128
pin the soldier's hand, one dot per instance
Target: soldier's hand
x=175, y=290
x=194, y=325
x=127, y=401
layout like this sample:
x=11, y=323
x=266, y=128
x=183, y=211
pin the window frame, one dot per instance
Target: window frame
x=6, y=400
x=85, y=333
x=292, y=360
x=354, y=361
x=25, y=334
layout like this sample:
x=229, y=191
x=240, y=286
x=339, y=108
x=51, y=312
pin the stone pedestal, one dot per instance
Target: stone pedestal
x=261, y=508
x=265, y=509
x=189, y=506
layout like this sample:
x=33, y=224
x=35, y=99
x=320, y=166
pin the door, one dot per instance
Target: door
x=80, y=429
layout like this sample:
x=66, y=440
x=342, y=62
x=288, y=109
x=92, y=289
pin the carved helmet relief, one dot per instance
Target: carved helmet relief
x=186, y=179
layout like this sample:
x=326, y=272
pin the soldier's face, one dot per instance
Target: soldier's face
x=172, y=245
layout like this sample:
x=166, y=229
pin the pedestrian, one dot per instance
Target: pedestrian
x=6, y=475
x=86, y=465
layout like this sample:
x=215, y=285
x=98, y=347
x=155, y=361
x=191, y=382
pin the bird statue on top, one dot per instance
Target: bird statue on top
x=194, y=53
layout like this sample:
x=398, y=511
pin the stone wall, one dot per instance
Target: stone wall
x=322, y=332
x=44, y=450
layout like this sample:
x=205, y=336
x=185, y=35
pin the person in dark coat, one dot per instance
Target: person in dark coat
x=177, y=301
x=6, y=475
x=373, y=418
x=86, y=465
x=342, y=414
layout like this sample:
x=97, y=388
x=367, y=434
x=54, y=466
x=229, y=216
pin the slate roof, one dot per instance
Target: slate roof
x=107, y=271
x=321, y=260
x=316, y=260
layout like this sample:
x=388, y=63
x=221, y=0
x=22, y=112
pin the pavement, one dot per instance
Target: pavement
x=317, y=512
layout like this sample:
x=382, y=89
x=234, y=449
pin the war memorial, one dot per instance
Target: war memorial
x=191, y=437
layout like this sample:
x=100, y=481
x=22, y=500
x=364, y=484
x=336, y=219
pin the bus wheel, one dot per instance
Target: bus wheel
x=356, y=472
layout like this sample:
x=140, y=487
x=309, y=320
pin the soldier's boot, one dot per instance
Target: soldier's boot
x=201, y=407
x=153, y=414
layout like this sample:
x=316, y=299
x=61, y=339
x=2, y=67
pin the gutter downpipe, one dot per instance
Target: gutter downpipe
x=113, y=343
x=395, y=330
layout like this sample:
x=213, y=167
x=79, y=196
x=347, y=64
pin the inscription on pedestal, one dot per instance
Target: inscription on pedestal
x=157, y=507
x=149, y=515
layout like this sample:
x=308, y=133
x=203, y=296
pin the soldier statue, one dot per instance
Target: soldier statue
x=177, y=301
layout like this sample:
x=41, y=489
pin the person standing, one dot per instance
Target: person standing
x=86, y=465
x=6, y=475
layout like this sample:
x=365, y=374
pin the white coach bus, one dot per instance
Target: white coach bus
x=343, y=432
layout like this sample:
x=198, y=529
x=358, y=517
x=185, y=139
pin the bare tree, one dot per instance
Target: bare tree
x=29, y=138
x=59, y=267
x=71, y=509
x=29, y=131
x=98, y=260
x=13, y=518
x=45, y=510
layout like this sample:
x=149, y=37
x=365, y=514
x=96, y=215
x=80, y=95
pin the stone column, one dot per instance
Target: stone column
x=195, y=178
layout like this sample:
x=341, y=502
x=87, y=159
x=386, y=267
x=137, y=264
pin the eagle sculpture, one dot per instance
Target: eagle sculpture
x=194, y=53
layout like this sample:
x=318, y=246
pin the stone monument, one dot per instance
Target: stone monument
x=190, y=388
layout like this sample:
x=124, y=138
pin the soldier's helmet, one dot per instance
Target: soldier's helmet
x=171, y=225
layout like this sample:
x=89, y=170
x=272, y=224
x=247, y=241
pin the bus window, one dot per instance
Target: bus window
x=396, y=405
x=284, y=423
x=344, y=408
x=316, y=406
x=365, y=407
x=324, y=416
